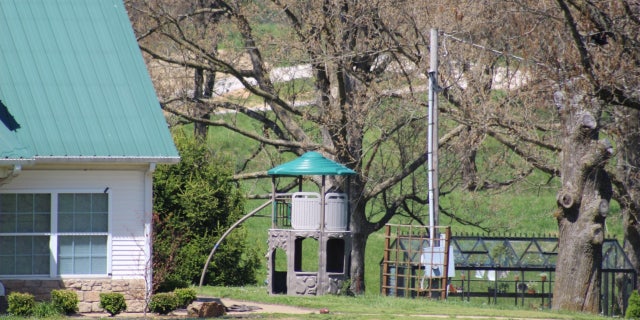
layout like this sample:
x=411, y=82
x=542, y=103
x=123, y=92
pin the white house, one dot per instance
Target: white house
x=81, y=132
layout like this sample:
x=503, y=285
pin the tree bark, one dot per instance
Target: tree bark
x=583, y=204
x=627, y=188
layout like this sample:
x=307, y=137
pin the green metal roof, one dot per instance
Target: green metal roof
x=75, y=86
x=11, y=150
x=311, y=163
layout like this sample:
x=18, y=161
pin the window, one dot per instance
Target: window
x=31, y=223
x=25, y=225
x=82, y=233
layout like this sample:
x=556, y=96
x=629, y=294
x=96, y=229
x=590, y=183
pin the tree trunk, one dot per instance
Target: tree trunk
x=470, y=139
x=360, y=232
x=627, y=175
x=359, y=244
x=583, y=204
x=200, y=129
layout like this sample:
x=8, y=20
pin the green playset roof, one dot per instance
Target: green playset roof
x=311, y=163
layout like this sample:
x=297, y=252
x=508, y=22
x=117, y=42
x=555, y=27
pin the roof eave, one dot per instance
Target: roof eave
x=98, y=159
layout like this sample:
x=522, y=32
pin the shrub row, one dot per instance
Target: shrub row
x=63, y=302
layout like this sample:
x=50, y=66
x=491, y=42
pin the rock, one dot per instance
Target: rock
x=205, y=309
x=324, y=311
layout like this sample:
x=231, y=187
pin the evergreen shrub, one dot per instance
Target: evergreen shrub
x=185, y=296
x=66, y=301
x=163, y=303
x=21, y=304
x=633, y=306
x=113, y=303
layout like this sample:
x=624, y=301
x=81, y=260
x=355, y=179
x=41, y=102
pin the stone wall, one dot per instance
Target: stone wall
x=88, y=291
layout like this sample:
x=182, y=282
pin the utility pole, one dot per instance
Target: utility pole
x=432, y=138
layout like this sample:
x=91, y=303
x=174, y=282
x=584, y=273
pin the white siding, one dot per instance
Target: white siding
x=127, y=207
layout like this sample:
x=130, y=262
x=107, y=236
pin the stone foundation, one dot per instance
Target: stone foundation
x=88, y=291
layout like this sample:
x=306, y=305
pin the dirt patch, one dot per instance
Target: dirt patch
x=236, y=309
x=262, y=308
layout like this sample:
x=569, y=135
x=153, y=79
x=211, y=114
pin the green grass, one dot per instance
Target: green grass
x=374, y=306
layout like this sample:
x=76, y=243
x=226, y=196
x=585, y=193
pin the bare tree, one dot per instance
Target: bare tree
x=578, y=56
x=362, y=106
x=543, y=79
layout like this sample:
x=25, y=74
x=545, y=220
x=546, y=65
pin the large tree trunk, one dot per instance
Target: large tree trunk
x=627, y=175
x=583, y=204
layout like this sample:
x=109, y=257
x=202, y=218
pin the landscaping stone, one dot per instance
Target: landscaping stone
x=209, y=308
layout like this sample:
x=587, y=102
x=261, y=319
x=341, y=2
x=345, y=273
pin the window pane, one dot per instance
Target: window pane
x=99, y=265
x=100, y=202
x=7, y=222
x=82, y=265
x=23, y=244
x=83, y=212
x=42, y=203
x=41, y=264
x=41, y=246
x=65, y=265
x=25, y=213
x=8, y=265
x=81, y=246
x=65, y=222
x=25, y=203
x=24, y=223
x=65, y=202
x=65, y=246
x=7, y=246
x=8, y=202
x=42, y=223
x=24, y=255
x=23, y=265
x=100, y=222
x=82, y=254
x=99, y=246
x=82, y=223
x=83, y=202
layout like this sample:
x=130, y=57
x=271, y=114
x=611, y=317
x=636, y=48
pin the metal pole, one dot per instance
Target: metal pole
x=432, y=139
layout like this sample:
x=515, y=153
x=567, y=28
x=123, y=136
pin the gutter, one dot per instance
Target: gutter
x=104, y=159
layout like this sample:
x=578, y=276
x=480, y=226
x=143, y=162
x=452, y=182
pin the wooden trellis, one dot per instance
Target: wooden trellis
x=415, y=263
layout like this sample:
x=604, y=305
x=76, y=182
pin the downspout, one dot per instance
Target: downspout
x=7, y=176
x=148, y=229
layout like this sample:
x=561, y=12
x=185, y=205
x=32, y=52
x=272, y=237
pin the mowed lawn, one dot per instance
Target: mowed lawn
x=375, y=306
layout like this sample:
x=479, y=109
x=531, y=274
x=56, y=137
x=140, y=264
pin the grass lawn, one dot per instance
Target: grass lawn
x=375, y=306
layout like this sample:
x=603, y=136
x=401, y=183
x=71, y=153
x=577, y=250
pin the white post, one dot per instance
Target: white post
x=432, y=139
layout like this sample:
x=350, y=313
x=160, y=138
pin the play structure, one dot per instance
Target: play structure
x=516, y=269
x=308, y=220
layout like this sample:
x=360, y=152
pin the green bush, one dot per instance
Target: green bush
x=113, y=303
x=66, y=301
x=194, y=202
x=163, y=302
x=45, y=309
x=21, y=304
x=633, y=308
x=185, y=296
x=168, y=285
